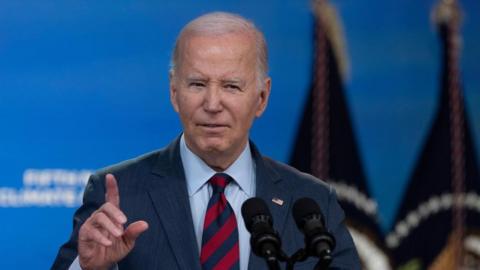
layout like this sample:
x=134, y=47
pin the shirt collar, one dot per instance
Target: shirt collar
x=197, y=172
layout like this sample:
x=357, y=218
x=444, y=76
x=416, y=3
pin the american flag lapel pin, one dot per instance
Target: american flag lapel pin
x=278, y=201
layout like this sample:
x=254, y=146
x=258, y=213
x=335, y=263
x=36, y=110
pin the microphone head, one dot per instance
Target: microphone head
x=303, y=208
x=264, y=241
x=309, y=219
x=252, y=208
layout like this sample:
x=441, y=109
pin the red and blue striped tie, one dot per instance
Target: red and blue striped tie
x=220, y=232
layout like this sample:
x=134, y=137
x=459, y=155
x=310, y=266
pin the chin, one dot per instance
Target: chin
x=213, y=147
x=209, y=144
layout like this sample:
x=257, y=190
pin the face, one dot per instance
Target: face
x=217, y=94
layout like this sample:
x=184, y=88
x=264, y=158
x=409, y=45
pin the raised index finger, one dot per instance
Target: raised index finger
x=112, y=196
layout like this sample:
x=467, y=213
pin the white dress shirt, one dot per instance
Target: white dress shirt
x=197, y=174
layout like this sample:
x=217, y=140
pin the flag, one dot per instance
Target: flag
x=438, y=223
x=325, y=144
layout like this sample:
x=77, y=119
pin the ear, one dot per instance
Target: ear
x=263, y=97
x=173, y=90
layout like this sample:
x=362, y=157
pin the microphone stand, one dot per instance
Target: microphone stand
x=301, y=255
x=271, y=260
x=273, y=264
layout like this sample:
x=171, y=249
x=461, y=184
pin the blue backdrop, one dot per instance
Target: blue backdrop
x=84, y=84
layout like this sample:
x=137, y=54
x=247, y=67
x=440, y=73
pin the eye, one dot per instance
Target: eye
x=232, y=87
x=196, y=84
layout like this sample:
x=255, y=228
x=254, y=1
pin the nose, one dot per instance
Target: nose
x=213, y=100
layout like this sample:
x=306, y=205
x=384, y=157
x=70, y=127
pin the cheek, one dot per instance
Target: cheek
x=244, y=114
x=185, y=104
x=184, y=110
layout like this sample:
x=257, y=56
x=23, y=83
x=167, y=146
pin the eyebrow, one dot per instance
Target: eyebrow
x=231, y=80
x=196, y=78
x=236, y=81
x=199, y=78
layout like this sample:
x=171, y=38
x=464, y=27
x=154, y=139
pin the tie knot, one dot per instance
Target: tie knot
x=219, y=181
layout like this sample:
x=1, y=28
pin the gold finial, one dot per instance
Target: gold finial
x=447, y=12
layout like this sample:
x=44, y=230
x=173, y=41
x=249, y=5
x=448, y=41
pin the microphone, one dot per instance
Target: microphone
x=264, y=241
x=310, y=221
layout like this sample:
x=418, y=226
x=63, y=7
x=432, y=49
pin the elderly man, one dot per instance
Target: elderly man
x=179, y=207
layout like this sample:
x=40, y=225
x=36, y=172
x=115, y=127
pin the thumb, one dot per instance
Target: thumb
x=133, y=231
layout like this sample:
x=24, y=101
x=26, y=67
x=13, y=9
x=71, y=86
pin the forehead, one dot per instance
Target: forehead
x=225, y=49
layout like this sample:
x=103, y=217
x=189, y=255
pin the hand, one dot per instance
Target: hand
x=102, y=241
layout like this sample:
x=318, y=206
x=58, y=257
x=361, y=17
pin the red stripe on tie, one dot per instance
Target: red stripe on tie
x=230, y=259
x=213, y=212
x=218, y=181
x=218, y=239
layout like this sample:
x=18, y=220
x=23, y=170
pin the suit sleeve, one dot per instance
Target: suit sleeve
x=345, y=254
x=93, y=198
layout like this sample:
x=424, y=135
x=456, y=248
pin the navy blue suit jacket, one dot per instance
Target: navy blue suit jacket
x=153, y=188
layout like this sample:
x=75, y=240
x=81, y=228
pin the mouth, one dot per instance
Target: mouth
x=212, y=126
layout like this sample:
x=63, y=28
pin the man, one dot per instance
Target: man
x=179, y=208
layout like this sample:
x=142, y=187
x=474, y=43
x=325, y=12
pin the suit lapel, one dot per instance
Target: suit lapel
x=269, y=186
x=168, y=192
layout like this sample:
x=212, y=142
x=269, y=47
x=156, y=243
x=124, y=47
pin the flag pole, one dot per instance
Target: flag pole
x=328, y=30
x=447, y=16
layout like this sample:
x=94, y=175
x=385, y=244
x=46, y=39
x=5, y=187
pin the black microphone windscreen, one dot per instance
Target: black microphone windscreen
x=254, y=207
x=304, y=207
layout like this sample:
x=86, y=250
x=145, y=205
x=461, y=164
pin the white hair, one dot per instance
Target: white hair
x=221, y=23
